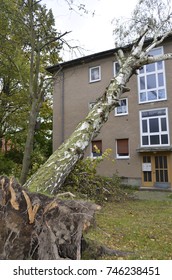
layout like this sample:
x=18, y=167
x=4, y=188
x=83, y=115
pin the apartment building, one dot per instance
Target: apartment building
x=138, y=131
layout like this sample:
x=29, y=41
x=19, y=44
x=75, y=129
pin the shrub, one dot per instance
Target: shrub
x=86, y=183
x=6, y=165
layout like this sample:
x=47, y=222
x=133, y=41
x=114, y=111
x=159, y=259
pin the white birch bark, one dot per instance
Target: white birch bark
x=51, y=176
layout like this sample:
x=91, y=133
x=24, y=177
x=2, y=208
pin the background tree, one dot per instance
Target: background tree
x=40, y=35
x=42, y=146
x=156, y=15
x=29, y=43
x=51, y=176
x=13, y=77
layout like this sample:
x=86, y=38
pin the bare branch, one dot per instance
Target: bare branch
x=55, y=39
x=157, y=41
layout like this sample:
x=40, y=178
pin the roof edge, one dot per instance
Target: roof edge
x=81, y=60
x=94, y=56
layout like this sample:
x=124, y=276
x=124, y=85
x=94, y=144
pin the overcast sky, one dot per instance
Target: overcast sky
x=92, y=33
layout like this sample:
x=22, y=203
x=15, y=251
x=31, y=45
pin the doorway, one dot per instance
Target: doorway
x=155, y=170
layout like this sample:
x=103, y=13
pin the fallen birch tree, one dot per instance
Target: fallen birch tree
x=37, y=226
x=51, y=176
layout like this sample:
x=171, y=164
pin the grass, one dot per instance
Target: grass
x=143, y=227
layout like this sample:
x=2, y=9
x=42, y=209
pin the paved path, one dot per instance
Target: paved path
x=153, y=195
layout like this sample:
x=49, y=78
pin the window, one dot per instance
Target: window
x=147, y=169
x=122, y=109
x=94, y=74
x=96, y=149
x=151, y=80
x=154, y=128
x=115, y=68
x=122, y=148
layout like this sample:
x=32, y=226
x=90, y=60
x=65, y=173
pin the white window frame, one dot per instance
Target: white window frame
x=122, y=157
x=145, y=74
x=116, y=109
x=157, y=133
x=90, y=74
x=115, y=67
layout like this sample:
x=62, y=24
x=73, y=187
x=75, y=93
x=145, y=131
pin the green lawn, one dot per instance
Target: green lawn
x=143, y=227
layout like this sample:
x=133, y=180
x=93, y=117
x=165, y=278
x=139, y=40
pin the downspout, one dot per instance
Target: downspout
x=62, y=109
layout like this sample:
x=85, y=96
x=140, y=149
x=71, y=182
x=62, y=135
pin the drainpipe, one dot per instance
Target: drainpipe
x=62, y=109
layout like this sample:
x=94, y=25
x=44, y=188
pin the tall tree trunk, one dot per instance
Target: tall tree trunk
x=35, y=97
x=29, y=142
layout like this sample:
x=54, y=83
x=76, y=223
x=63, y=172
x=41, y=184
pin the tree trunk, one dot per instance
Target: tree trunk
x=35, y=94
x=29, y=142
x=34, y=226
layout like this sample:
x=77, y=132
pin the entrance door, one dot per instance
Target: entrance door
x=161, y=171
x=155, y=171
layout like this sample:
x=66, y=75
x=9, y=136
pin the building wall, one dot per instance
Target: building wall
x=72, y=94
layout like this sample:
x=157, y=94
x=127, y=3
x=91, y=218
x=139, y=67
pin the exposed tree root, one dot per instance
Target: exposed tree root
x=35, y=226
x=92, y=250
